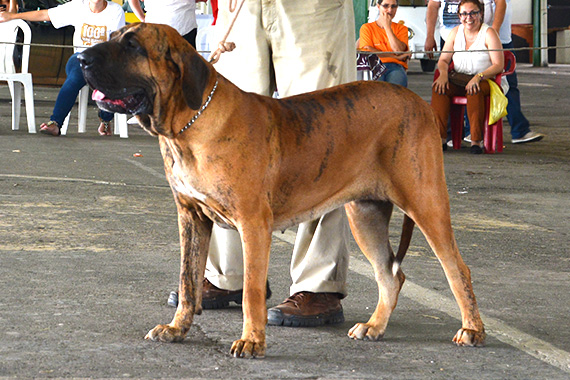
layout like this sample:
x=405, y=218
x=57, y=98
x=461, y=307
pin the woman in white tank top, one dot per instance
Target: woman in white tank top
x=471, y=35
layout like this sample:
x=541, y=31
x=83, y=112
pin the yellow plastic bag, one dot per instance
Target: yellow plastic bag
x=498, y=106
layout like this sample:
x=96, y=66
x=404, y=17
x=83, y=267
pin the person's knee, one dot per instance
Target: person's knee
x=72, y=65
x=74, y=73
x=398, y=76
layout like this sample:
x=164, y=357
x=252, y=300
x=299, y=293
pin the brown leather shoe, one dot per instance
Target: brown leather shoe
x=214, y=297
x=306, y=309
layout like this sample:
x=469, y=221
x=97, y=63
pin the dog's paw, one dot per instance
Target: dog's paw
x=248, y=349
x=365, y=331
x=472, y=338
x=166, y=333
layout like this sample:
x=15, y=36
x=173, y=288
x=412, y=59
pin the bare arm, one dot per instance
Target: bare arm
x=13, y=7
x=431, y=20
x=137, y=10
x=500, y=10
x=497, y=57
x=41, y=15
x=386, y=22
x=367, y=47
x=442, y=82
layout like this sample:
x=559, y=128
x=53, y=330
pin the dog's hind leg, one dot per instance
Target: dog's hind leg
x=428, y=205
x=435, y=224
x=369, y=222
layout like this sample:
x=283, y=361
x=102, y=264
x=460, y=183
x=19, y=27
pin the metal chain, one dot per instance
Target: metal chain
x=201, y=109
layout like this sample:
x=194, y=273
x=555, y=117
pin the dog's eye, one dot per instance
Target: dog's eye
x=132, y=44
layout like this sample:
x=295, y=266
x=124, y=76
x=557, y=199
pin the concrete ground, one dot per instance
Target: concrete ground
x=89, y=252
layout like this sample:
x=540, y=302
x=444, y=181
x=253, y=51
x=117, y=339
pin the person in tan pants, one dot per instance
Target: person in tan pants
x=292, y=46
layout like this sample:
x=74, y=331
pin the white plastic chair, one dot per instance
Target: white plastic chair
x=8, y=35
x=119, y=121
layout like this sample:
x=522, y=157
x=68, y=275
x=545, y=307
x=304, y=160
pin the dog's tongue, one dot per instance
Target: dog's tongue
x=98, y=95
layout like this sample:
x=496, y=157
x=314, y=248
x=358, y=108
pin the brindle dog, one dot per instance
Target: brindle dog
x=258, y=164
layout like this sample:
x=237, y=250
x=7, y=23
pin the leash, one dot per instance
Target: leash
x=224, y=46
x=195, y=117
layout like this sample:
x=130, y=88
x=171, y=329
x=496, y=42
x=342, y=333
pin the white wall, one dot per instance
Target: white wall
x=522, y=11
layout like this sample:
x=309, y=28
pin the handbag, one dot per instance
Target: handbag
x=498, y=103
x=459, y=79
x=372, y=63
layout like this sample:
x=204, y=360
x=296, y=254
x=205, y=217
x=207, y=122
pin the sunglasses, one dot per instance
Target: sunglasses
x=470, y=14
x=386, y=6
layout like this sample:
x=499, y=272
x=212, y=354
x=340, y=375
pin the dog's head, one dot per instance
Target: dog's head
x=148, y=70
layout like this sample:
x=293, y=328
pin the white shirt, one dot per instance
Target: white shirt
x=90, y=28
x=179, y=14
x=473, y=62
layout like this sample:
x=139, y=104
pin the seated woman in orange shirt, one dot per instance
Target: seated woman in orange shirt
x=388, y=36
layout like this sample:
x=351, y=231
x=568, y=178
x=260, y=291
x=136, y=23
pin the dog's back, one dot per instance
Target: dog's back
x=343, y=134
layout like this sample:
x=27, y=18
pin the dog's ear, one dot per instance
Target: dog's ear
x=194, y=79
x=194, y=72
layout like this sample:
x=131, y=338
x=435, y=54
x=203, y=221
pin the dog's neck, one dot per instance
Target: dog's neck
x=195, y=117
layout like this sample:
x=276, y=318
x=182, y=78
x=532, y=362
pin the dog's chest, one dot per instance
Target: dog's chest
x=181, y=183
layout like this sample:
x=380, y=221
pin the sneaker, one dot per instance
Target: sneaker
x=529, y=137
x=307, y=309
x=214, y=297
x=467, y=138
x=450, y=142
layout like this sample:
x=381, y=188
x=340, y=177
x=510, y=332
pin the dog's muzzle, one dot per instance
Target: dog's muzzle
x=107, y=92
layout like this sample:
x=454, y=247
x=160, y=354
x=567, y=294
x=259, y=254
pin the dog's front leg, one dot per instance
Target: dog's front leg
x=256, y=243
x=194, y=241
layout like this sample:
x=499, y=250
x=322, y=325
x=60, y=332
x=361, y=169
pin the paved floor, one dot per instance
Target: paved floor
x=89, y=253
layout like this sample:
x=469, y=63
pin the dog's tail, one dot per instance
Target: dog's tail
x=405, y=239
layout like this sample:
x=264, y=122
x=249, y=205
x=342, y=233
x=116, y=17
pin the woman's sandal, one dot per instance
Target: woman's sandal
x=50, y=128
x=105, y=128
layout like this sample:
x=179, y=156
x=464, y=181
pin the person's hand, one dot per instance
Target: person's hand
x=473, y=86
x=441, y=84
x=404, y=57
x=5, y=16
x=430, y=45
x=385, y=19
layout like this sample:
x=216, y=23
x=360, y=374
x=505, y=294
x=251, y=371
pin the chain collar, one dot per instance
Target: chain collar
x=201, y=109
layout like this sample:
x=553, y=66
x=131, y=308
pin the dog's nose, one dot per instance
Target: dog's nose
x=85, y=59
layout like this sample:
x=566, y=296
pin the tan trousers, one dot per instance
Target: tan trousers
x=293, y=46
x=441, y=103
